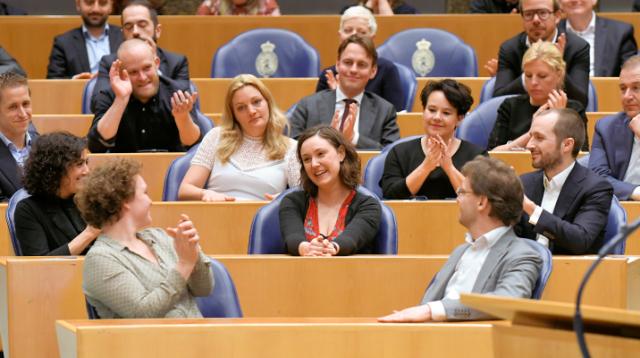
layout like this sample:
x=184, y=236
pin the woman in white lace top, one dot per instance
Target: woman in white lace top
x=247, y=157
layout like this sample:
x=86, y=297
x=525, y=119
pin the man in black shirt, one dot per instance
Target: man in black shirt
x=143, y=111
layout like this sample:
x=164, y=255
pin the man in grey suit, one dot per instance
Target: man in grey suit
x=493, y=261
x=364, y=118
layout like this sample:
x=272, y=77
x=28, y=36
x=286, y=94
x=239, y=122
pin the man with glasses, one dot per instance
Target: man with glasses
x=494, y=260
x=540, y=19
x=140, y=20
x=615, y=153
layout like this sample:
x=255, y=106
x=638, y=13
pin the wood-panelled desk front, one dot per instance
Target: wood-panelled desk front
x=269, y=337
x=544, y=328
x=35, y=292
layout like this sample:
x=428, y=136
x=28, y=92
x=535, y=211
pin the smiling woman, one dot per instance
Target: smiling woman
x=247, y=157
x=429, y=166
x=329, y=217
x=48, y=222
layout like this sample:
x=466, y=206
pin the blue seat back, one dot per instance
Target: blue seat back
x=10, y=217
x=193, y=88
x=592, y=96
x=545, y=270
x=251, y=50
x=223, y=299
x=86, y=95
x=92, y=312
x=452, y=57
x=487, y=89
x=616, y=219
x=476, y=127
x=409, y=84
x=265, y=236
x=375, y=167
x=176, y=173
x=203, y=122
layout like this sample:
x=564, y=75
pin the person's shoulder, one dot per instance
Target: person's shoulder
x=171, y=56
x=610, y=121
x=512, y=43
x=297, y=196
x=408, y=145
x=621, y=25
x=471, y=147
x=593, y=180
x=574, y=42
x=529, y=177
x=378, y=100
x=69, y=35
x=173, y=85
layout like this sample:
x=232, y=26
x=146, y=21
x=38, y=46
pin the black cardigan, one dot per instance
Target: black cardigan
x=361, y=226
x=46, y=224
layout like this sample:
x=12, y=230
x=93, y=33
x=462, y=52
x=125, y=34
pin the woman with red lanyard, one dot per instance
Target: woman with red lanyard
x=329, y=216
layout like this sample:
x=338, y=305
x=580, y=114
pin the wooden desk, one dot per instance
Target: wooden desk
x=76, y=124
x=34, y=292
x=292, y=337
x=633, y=213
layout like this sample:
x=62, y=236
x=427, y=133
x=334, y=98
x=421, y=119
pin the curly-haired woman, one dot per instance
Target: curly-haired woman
x=48, y=222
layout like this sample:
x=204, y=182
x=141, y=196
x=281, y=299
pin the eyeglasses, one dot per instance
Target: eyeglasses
x=543, y=14
x=461, y=191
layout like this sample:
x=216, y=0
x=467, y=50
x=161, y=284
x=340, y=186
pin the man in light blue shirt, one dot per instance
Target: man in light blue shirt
x=76, y=54
x=15, y=138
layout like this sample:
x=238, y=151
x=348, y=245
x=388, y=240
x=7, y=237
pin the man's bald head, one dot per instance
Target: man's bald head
x=139, y=59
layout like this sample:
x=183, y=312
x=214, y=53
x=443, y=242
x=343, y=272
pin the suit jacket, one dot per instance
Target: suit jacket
x=8, y=63
x=614, y=43
x=69, y=52
x=172, y=65
x=46, y=224
x=576, y=226
x=510, y=269
x=611, y=152
x=377, y=125
x=10, y=173
x=361, y=223
x=576, y=56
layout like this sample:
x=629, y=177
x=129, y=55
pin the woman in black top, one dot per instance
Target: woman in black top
x=48, y=222
x=429, y=166
x=544, y=71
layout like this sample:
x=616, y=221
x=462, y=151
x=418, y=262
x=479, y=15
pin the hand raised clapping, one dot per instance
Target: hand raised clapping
x=119, y=79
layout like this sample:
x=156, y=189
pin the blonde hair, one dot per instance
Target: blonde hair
x=548, y=53
x=274, y=142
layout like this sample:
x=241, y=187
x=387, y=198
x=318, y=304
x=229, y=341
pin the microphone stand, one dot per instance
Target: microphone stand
x=578, y=324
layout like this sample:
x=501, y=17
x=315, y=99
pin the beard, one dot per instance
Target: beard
x=90, y=23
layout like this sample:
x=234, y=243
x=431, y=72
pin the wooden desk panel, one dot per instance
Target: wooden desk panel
x=34, y=292
x=272, y=338
x=633, y=214
x=56, y=96
x=76, y=124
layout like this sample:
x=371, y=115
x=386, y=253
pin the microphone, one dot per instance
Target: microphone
x=578, y=324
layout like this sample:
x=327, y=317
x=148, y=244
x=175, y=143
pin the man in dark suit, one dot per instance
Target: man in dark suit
x=611, y=42
x=76, y=53
x=566, y=204
x=493, y=261
x=15, y=135
x=8, y=63
x=540, y=19
x=140, y=20
x=615, y=153
x=364, y=118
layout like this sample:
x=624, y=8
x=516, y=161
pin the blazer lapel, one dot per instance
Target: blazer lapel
x=61, y=221
x=367, y=116
x=625, y=140
x=438, y=286
x=9, y=168
x=326, y=108
x=115, y=38
x=599, y=46
x=569, y=191
x=493, y=258
x=536, y=191
x=81, y=48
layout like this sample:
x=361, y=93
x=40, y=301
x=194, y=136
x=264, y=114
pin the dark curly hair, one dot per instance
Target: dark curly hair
x=457, y=94
x=105, y=191
x=349, y=168
x=49, y=160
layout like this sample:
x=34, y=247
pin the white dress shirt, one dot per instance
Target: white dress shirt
x=589, y=35
x=340, y=97
x=552, y=189
x=467, y=269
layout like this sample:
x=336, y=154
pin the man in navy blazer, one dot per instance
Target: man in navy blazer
x=611, y=42
x=16, y=135
x=365, y=119
x=615, y=150
x=540, y=19
x=140, y=20
x=493, y=260
x=566, y=205
x=76, y=53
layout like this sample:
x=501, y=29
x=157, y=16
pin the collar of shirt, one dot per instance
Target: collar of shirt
x=557, y=181
x=488, y=239
x=341, y=96
x=591, y=28
x=87, y=35
x=118, y=246
x=11, y=145
x=555, y=38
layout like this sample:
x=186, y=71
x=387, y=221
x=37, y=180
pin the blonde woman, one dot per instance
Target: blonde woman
x=247, y=157
x=544, y=71
x=239, y=7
